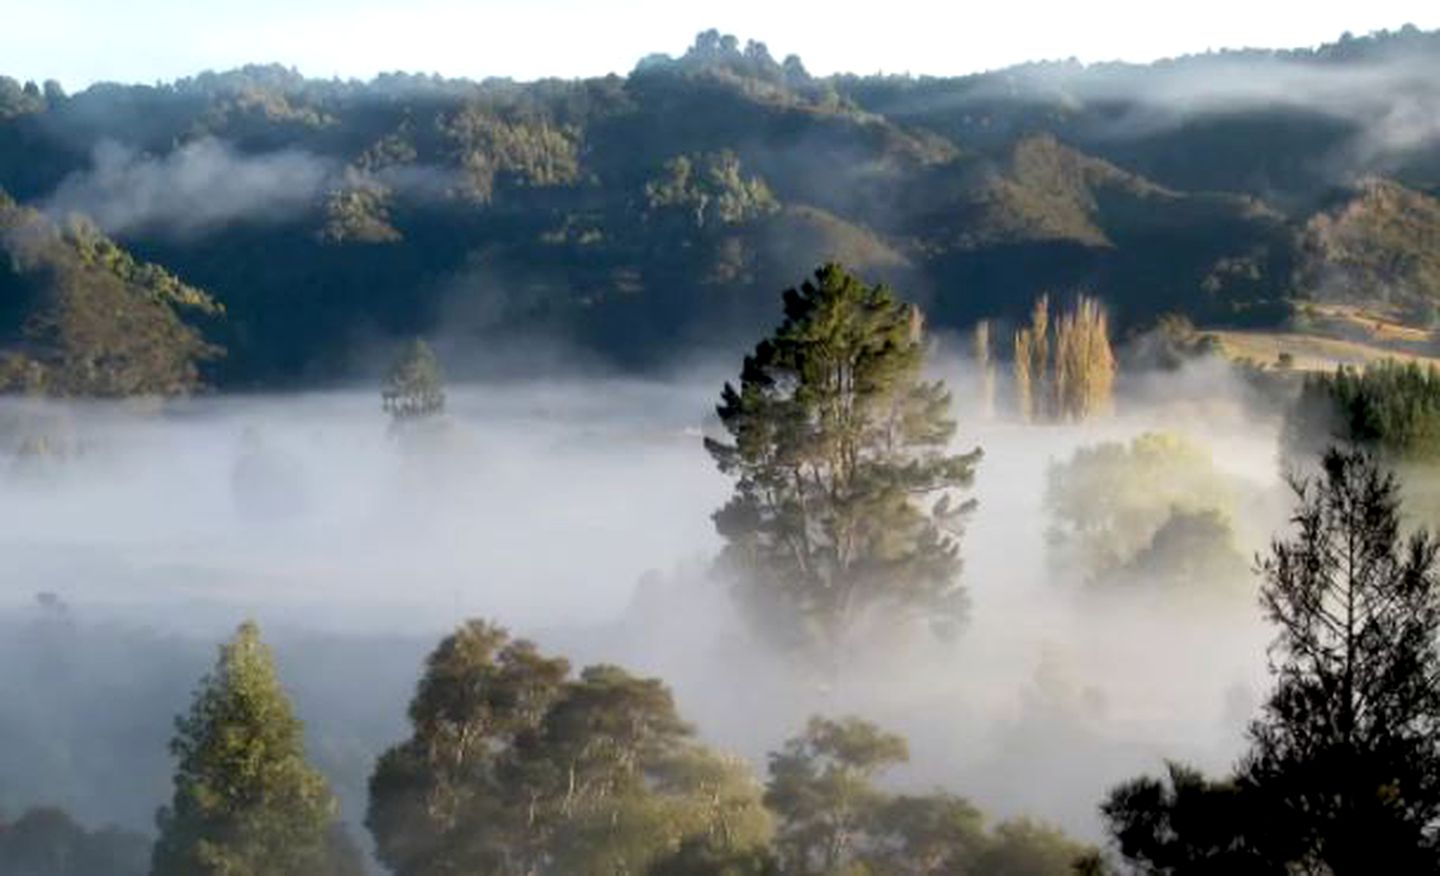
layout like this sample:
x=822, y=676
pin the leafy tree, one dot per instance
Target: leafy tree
x=359, y=211
x=712, y=189
x=246, y=803
x=1026, y=848
x=835, y=439
x=1191, y=548
x=1155, y=506
x=834, y=820
x=1348, y=745
x=928, y=834
x=414, y=387
x=530, y=150
x=513, y=767
x=821, y=786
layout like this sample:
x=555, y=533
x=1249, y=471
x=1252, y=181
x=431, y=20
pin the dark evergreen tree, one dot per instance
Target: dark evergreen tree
x=1347, y=750
x=1186, y=825
x=1389, y=408
x=1344, y=765
x=845, y=504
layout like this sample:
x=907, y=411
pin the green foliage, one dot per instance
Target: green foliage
x=1155, y=507
x=514, y=767
x=821, y=787
x=359, y=212
x=1344, y=757
x=528, y=151
x=47, y=842
x=1026, y=848
x=415, y=387
x=246, y=803
x=100, y=253
x=1192, y=547
x=1186, y=825
x=711, y=189
x=1347, y=740
x=835, y=439
x=834, y=820
x=982, y=192
x=1380, y=247
x=1389, y=407
x=96, y=322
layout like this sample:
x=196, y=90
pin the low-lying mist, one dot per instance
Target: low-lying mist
x=576, y=512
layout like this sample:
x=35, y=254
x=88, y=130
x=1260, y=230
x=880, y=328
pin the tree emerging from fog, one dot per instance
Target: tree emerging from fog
x=415, y=386
x=246, y=802
x=1156, y=509
x=835, y=820
x=1064, y=369
x=1343, y=772
x=516, y=767
x=847, y=503
x=1348, y=745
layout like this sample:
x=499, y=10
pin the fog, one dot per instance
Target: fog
x=198, y=187
x=575, y=511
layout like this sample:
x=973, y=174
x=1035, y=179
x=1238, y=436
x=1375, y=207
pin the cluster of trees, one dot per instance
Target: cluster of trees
x=1344, y=757
x=1390, y=407
x=87, y=319
x=711, y=189
x=516, y=765
x=1154, y=510
x=1064, y=371
x=529, y=151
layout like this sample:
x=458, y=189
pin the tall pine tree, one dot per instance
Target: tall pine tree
x=246, y=803
x=845, y=506
x=1347, y=751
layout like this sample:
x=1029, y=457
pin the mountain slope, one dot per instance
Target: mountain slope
x=654, y=215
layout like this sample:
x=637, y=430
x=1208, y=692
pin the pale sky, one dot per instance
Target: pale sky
x=82, y=41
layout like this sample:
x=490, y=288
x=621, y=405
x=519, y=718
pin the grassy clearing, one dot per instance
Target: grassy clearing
x=1310, y=352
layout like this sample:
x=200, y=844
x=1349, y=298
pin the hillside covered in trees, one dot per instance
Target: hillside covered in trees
x=648, y=217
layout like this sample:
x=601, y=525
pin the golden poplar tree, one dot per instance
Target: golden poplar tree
x=1064, y=370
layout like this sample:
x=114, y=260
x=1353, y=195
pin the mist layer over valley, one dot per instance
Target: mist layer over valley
x=576, y=511
x=722, y=470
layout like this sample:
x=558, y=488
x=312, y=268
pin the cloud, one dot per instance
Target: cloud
x=199, y=187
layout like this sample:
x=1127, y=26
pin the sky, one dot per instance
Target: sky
x=79, y=42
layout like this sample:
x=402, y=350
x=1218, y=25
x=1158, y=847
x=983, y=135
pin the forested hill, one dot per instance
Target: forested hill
x=657, y=215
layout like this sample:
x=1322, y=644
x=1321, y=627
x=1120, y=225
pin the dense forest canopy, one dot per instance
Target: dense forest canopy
x=649, y=215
